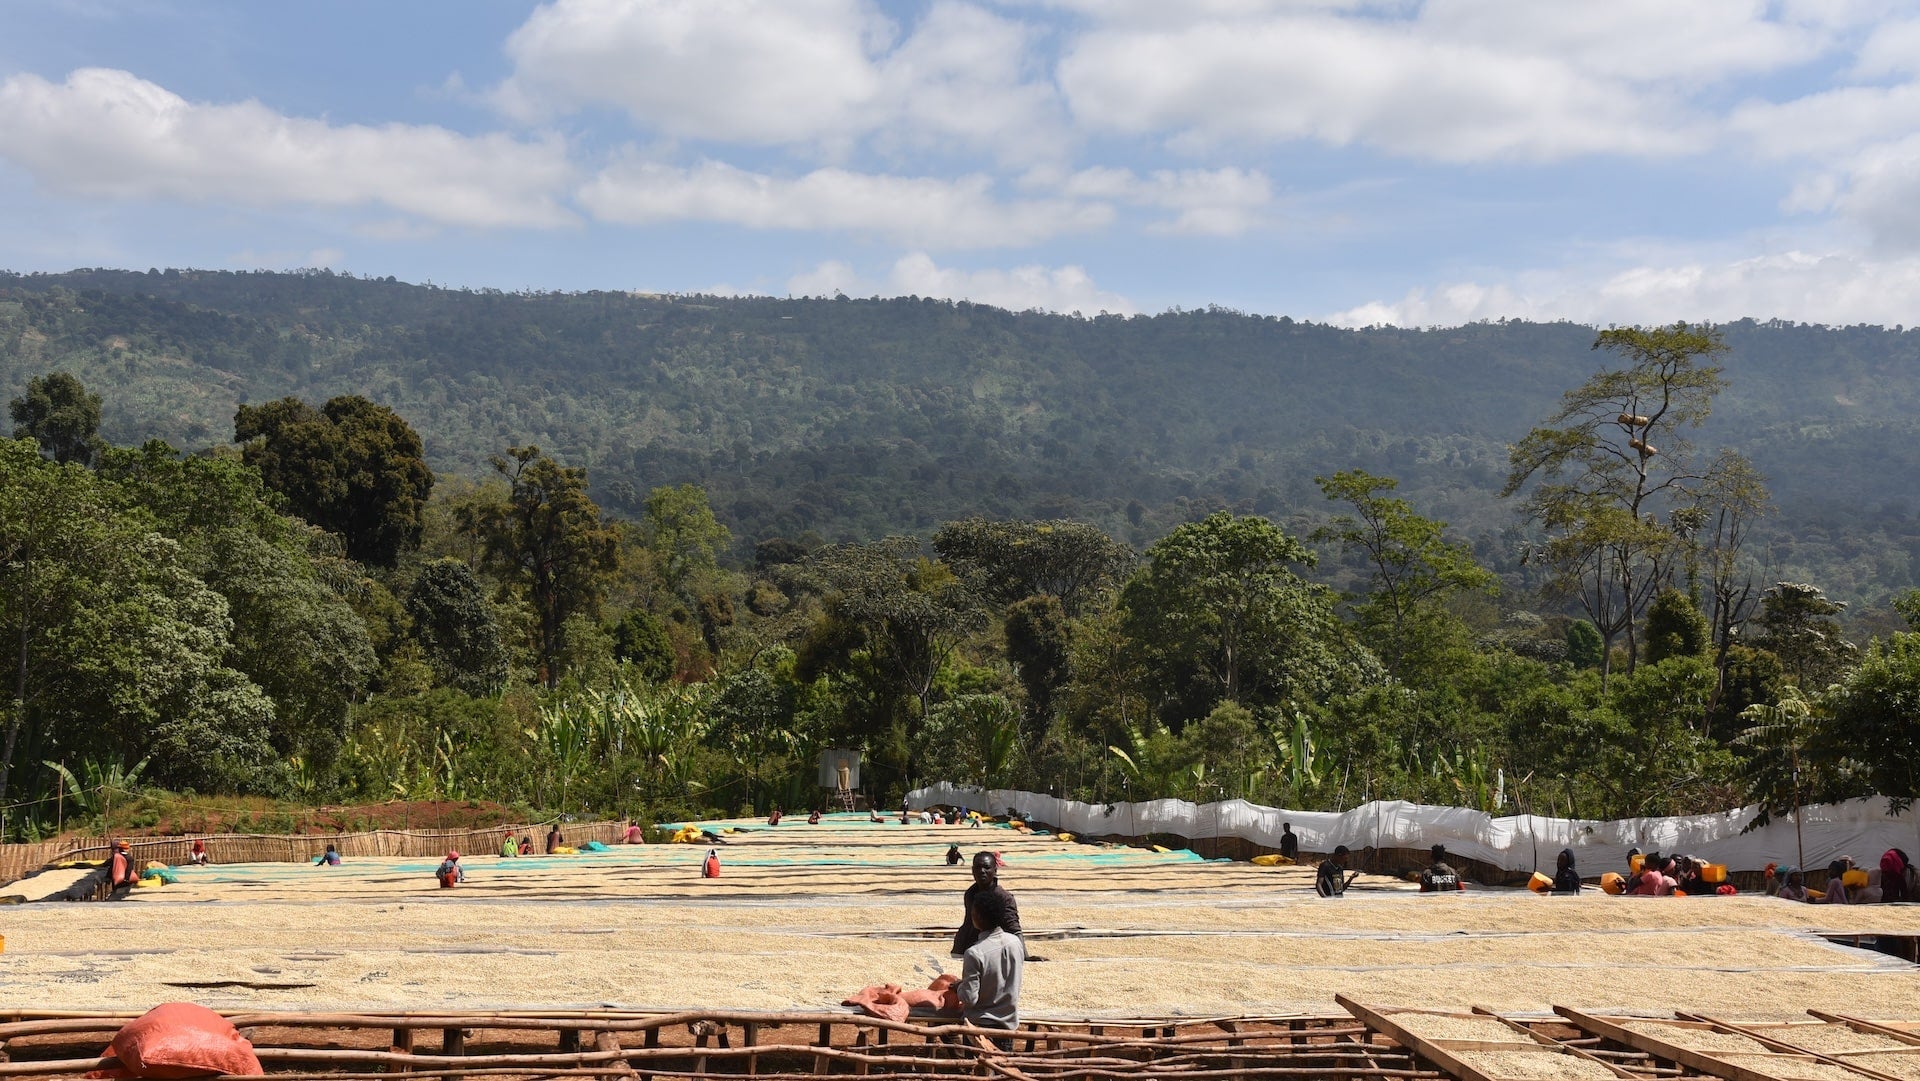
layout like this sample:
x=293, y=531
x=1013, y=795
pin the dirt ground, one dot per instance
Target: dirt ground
x=803, y=916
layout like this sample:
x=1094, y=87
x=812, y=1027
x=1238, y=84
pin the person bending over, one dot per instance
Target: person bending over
x=1440, y=877
x=1565, y=878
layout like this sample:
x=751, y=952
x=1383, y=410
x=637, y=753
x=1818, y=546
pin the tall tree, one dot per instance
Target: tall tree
x=1733, y=498
x=910, y=613
x=288, y=588
x=1799, y=624
x=1072, y=561
x=1876, y=720
x=551, y=538
x=1039, y=645
x=354, y=467
x=1610, y=462
x=58, y=413
x=117, y=650
x=1219, y=605
x=456, y=628
x=683, y=536
x=1414, y=566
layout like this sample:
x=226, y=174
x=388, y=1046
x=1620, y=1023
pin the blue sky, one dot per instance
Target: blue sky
x=1419, y=163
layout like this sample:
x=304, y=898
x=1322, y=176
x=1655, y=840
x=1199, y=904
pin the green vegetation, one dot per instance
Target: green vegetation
x=1177, y=555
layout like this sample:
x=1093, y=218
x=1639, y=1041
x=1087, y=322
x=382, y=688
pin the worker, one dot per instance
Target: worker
x=873, y=815
x=986, y=883
x=1289, y=843
x=1332, y=880
x=1654, y=880
x=509, y=847
x=526, y=845
x=774, y=818
x=450, y=873
x=989, y=986
x=710, y=866
x=1893, y=875
x=554, y=840
x=1565, y=878
x=1440, y=877
x=198, y=857
x=329, y=858
x=631, y=837
x=1793, y=886
x=1837, y=892
x=120, y=869
x=813, y=817
x=904, y=812
x=953, y=855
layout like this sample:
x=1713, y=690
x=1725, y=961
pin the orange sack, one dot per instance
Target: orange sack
x=178, y=1039
x=889, y=1001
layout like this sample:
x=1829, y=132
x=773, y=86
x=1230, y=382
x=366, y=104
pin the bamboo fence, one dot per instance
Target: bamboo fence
x=707, y=1043
x=17, y=860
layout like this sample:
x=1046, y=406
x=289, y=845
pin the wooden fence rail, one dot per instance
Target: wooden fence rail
x=22, y=859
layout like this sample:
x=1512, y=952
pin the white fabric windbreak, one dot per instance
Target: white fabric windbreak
x=1861, y=828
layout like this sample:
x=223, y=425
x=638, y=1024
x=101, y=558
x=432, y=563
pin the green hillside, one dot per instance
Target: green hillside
x=850, y=419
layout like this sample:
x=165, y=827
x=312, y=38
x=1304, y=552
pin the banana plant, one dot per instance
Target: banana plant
x=89, y=790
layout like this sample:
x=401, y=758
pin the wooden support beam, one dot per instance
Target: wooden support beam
x=753, y=1040
x=1861, y=1025
x=1425, y=1048
x=609, y=1042
x=1783, y=1038
x=1661, y=1049
x=453, y=1041
x=402, y=1045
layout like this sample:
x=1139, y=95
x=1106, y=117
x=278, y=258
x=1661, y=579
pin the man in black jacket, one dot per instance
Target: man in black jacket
x=986, y=881
x=1332, y=879
x=1440, y=877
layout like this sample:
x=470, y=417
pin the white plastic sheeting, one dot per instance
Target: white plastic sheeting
x=1862, y=829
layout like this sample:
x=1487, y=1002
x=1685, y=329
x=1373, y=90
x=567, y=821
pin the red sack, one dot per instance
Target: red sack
x=881, y=1001
x=176, y=1040
x=889, y=1001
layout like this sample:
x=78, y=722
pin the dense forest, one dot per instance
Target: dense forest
x=853, y=419
x=322, y=537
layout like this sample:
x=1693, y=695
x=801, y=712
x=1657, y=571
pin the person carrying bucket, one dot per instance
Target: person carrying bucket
x=450, y=873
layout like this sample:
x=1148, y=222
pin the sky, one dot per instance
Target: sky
x=1418, y=163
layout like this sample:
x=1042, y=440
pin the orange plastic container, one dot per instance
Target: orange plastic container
x=1854, y=880
x=1634, y=862
x=1539, y=883
x=1715, y=873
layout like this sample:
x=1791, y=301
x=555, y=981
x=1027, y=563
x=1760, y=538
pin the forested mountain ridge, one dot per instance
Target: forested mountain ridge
x=851, y=419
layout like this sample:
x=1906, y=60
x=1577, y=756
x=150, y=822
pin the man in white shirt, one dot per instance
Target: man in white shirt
x=989, y=986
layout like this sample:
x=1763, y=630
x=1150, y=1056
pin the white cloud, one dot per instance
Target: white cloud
x=108, y=133
x=1383, y=84
x=789, y=72
x=734, y=70
x=1448, y=80
x=1893, y=48
x=1864, y=155
x=929, y=211
x=1834, y=287
x=1060, y=289
x=1211, y=202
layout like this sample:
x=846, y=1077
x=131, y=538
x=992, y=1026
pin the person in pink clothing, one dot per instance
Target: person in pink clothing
x=1655, y=879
